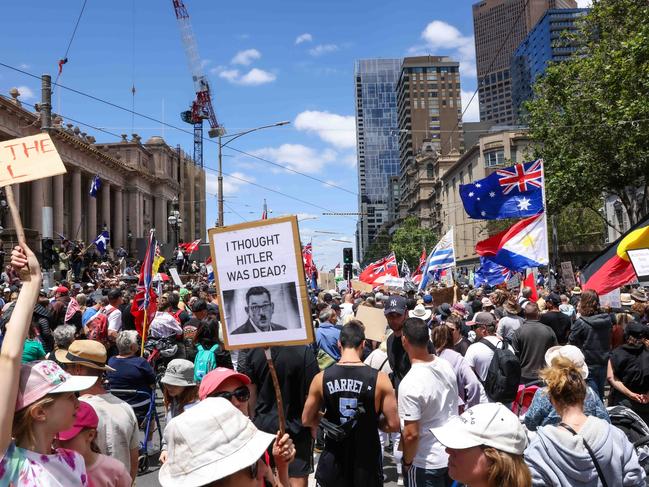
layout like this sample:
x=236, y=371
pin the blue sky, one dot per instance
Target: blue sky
x=266, y=61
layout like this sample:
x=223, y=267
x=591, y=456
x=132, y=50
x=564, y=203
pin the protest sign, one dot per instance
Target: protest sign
x=612, y=299
x=326, y=281
x=640, y=260
x=375, y=322
x=568, y=275
x=338, y=274
x=29, y=158
x=394, y=282
x=362, y=286
x=176, y=277
x=259, y=275
x=443, y=295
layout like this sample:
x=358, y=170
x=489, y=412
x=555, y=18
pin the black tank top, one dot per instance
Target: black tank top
x=358, y=459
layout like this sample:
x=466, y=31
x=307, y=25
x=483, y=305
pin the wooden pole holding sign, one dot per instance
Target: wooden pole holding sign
x=278, y=392
x=18, y=225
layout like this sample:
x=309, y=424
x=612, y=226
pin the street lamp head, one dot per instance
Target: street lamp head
x=284, y=122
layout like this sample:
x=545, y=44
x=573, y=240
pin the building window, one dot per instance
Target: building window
x=494, y=158
x=430, y=173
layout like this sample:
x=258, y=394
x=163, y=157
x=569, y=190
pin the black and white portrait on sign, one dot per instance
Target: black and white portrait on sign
x=259, y=273
x=262, y=309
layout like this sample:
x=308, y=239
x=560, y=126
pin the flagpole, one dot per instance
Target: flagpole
x=545, y=210
x=144, y=331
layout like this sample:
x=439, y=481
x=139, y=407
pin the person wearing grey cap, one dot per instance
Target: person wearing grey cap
x=396, y=313
x=479, y=355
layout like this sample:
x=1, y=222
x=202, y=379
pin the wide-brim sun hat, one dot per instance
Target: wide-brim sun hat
x=420, y=312
x=487, y=424
x=209, y=442
x=570, y=352
x=89, y=353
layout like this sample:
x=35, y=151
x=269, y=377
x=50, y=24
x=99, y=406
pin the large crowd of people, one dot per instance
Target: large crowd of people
x=493, y=388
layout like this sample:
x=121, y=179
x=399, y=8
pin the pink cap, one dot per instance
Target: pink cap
x=38, y=379
x=86, y=417
x=215, y=378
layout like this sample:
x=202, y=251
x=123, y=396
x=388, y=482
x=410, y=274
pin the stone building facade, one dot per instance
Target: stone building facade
x=142, y=182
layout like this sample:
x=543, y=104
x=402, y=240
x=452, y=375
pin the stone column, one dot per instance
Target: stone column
x=91, y=219
x=132, y=212
x=105, y=205
x=76, y=232
x=160, y=218
x=36, y=209
x=117, y=229
x=57, y=202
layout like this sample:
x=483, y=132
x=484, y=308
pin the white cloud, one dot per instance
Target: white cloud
x=442, y=36
x=26, y=93
x=256, y=77
x=338, y=130
x=246, y=57
x=584, y=3
x=298, y=157
x=231, y=185
x=321, y=49
x=306, y=37
x=473, y=112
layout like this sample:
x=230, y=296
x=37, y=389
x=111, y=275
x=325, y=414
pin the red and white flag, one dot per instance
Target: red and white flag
x=387, y=266
x=190, y=247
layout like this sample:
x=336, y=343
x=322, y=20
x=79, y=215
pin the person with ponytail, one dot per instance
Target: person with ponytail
x=581, y=450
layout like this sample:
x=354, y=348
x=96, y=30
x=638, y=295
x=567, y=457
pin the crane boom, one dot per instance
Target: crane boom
x=202, y=106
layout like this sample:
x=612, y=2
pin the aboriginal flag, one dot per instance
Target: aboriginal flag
x=612, y=268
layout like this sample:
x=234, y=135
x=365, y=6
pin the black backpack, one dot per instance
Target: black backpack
x=504, y=375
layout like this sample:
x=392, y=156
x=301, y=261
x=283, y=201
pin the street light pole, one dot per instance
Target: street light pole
x=220, y=222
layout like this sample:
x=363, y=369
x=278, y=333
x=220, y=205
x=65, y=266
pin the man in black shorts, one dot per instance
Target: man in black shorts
x=358, y=400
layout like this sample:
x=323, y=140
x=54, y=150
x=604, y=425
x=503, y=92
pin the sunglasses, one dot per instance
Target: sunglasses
x=242, y=394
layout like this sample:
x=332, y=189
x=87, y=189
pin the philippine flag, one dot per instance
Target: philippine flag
x=522, y=246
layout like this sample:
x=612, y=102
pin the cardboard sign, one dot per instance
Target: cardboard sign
x=362, y=286
x=640, y=261
x=442, y=295
x=375, y=322
x=28, y=159
x=326, y=280
x=568, y=275
x=338, y=274
x=259, y=274
x=175, y=276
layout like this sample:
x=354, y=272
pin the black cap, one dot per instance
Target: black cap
x=395, y=304
x=444, y=309
x=114, y=294
x=636, y=329
x=553, y=298
x=199, y=305
x=327, y=297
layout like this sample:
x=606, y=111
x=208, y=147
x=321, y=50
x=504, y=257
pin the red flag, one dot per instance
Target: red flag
x=416, y=277
x=137, y=308
x=307, y=257
x=189, y=247
x=529, y=282
x=387, y=266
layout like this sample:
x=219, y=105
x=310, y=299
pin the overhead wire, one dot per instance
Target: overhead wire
x=74, y=33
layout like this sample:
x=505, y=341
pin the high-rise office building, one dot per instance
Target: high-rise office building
x=429, y=110
x=377, y=146
x=544, y=44
x=499, y=28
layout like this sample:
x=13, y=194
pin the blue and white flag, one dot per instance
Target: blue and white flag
x=491, y=273
x=511, y=192
x=441, y=257
x=101, y=242
x=95, y=186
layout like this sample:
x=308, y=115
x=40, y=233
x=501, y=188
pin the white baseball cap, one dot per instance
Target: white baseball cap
x=488, y=424
x=570, y=352
x=208, y=442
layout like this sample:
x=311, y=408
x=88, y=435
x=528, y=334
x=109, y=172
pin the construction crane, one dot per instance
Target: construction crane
x=202, y=106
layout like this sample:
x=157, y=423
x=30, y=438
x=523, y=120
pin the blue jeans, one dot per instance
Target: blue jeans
x=597, y=379
x=421, y=477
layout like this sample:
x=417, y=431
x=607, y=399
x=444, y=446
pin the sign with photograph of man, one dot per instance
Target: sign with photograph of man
x=259, y=275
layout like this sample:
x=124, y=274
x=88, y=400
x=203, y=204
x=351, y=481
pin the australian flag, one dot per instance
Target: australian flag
x=101, y=242
x=512, y=192
x=490, y=273
x=95, y=186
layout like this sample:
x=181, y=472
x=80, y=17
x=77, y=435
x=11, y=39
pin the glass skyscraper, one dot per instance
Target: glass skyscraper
x=377, y=146
x=544, y=44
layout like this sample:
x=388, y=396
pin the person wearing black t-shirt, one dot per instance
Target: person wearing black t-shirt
x=296, y=367
x=396, y=312
x=555, y=319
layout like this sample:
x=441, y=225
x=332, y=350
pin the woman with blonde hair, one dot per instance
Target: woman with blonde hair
x=580, y=450
x=37, y=400
x=485, y=447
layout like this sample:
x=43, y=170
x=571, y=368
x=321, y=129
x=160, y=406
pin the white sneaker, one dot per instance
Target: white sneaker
x=400, y=480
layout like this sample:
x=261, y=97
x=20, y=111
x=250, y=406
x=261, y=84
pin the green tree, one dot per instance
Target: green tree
x=380, y=247
x=589, y=118
x=409, y=239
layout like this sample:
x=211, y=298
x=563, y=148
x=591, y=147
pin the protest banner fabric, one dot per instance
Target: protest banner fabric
x=259, y=275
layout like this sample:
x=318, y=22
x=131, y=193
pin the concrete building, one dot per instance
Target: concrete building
x=499, y=28
x=377, y=146
x=503, y=146
x=544, y=44
x=141, y=184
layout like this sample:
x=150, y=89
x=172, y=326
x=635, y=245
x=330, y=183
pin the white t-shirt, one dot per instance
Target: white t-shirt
x=428, y=394
x=479, y=356
x=114, y=318
x=117, y=432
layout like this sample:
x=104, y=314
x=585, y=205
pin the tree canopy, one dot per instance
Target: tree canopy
x=590, y=114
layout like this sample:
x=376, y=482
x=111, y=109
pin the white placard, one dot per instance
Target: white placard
x=612, y=299
x=175, y=276
x=640, y=261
